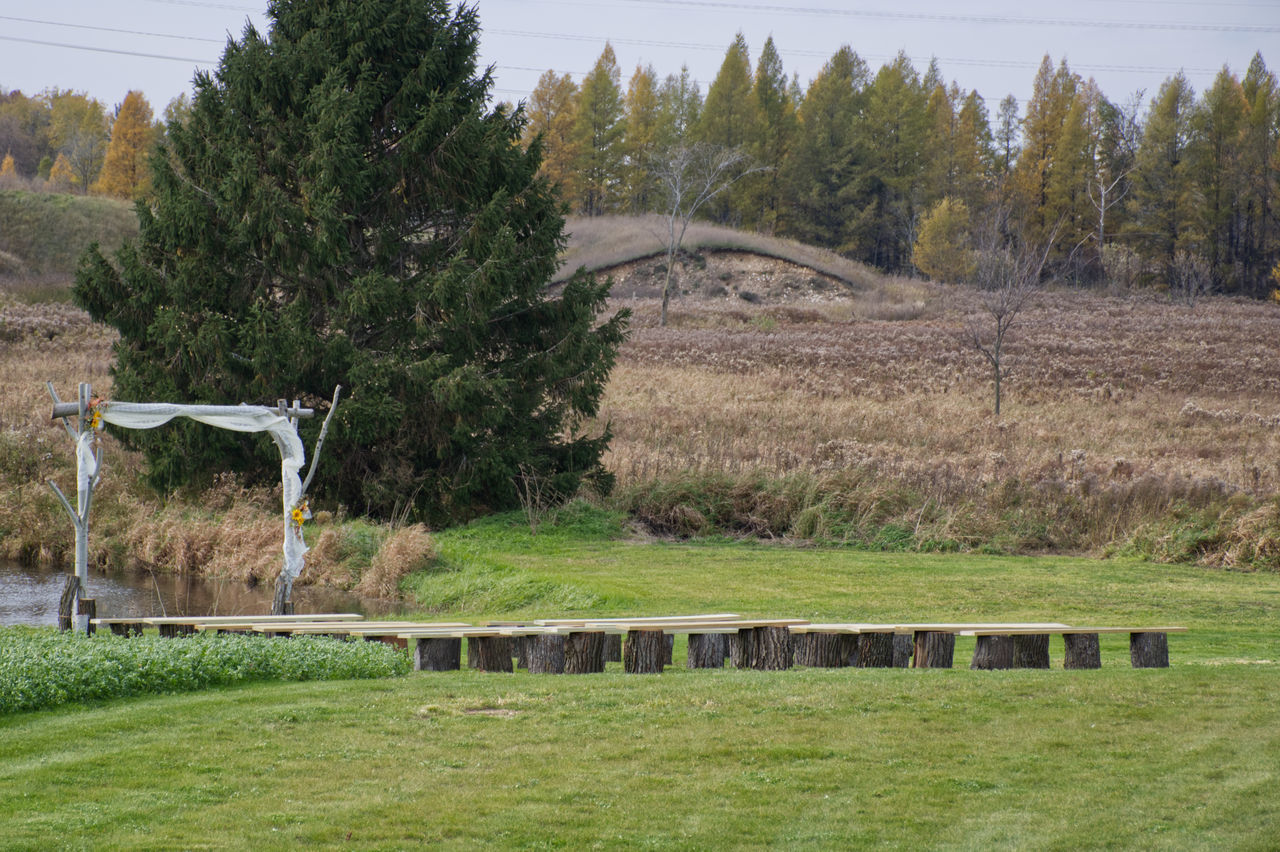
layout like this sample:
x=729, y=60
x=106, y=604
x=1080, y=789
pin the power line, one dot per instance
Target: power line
x=963, y=19
x=109, y=50
x=108, y=29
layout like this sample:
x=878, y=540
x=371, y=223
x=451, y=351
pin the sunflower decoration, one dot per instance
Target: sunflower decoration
x=95, y=413
x=300, y=512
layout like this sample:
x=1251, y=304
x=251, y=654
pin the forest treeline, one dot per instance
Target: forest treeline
x=66, y=141
x=899, y=169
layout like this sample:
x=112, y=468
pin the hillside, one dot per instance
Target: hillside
x=44, y=234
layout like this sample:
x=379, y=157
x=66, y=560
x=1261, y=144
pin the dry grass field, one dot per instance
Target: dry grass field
x=855, y=414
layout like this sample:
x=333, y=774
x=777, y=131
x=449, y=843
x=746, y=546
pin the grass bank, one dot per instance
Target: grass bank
x=1181, y=758
x=43, y=234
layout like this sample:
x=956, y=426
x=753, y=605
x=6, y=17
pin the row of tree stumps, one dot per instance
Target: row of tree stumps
x=770, y=649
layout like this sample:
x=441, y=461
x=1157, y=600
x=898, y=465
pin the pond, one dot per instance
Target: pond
x=30, y=596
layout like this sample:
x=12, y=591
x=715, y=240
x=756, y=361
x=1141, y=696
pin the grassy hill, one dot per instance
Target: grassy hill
x=43, y=234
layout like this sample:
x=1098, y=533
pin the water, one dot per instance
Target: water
x=30, y=596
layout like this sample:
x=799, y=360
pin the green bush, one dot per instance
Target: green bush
x=42, y=668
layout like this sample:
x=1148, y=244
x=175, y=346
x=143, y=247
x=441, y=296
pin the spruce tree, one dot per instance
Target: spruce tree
x=341, y=206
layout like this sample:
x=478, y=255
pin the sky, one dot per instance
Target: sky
x=992, y=46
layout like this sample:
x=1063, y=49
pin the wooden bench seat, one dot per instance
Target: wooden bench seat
x=1029, y=647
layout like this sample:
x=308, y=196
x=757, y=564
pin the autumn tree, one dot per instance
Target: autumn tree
x=1260, y=176
x=551, y=116
x=643, y=124
x=729, y=119
x=322, y=218
x=679, y=107
x=79, y=129
x=942, y=250
x=1045, y=165
x=975, y=154
x=598, y=133
x=60, y=174
x=124, y=169
x=774, y=135
x=8, y=171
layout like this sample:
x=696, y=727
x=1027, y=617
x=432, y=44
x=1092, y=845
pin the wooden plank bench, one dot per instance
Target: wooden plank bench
x=131, y=625
x=762, y=644
x=183, y=625
x=555, y=649
x=922, y=645
x=1148, y=646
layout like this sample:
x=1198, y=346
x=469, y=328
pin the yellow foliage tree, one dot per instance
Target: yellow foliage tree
x=942, y=246
x=61, y=176
x=124, y=171
x=8, y=169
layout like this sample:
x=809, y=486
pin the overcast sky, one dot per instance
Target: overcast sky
x=993, y=46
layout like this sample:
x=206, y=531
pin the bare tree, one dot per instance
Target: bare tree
x=1108, y=184
x=1007, y=278
x=1188, y=277
x=689, y=176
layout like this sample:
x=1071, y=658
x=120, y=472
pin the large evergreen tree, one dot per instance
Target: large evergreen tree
x=342, y=206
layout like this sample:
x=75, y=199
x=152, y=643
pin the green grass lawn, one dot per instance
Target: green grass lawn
x=1184, y=757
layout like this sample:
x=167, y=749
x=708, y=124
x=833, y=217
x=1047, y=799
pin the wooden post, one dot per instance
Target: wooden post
x=875, y=651
x=933, y=649
x=584, y=653
x=438, y=655
x=545, y=654
x=1031, y=651
x=668, y=649
x=613, y=648
x=1082, y=651
x=1149, y=650
x=706, y=651
x=67, y=603
x=88, y=607
x=993, y=652
x=489, y=653
x=643, y=652
x=823, y=650
x=770, y=649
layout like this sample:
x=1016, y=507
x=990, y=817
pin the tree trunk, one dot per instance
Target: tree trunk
x=1149, y=650
x=903, y=648
x=823, y=650
x=1031, y=651
x=643, y=652
x=668, y=648
x=67, y=603
x=1082, y=651
x=584, y=653
x=993, y=652
x=933, y=649
x=770, y=649
x=706, y=651
x=739, y=646
x=438, y=655
x=545, y=654
x=282, y=603
x=489, y=653
x=613, y=648
x=875, y=651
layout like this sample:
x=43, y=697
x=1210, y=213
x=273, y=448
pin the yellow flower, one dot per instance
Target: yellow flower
x=299, y=513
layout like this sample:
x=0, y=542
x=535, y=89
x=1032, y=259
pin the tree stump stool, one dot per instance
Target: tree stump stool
x=823, y=650
x=993, y=652
x=489, y=653
x=437, y=655
x=520, y=644
x=1031, y=651
x=545, y=654
x=126, y=628
x=933, y=649
x=644, y=651
x=1082, y=651
x=1149, y=650
x=738, y=645
x=903, y=650
x=584, y=653
x=770, y=649
x=668, y=648
x=706, y=651
x=175, y=631
x=875, y=651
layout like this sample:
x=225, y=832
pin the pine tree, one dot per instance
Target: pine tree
x=774, y=137
x=551, y=119
x=817, y=174
x=1042, y=128
x=728, y=122
x=1217, y=161
x=343, y=207
x=598, y=130
x=124, y=169
x=679, y=107
x=975, y=154
x=1260, y=167
x=643, y=124
x=1008, y=137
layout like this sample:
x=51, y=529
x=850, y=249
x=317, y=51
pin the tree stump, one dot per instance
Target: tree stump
x=903, y=648
x=1082, y=651
x=545, y=654
x=489, y=653
x=521, y=646
x=668, y=648
x=438, y=655
x=1149, y=650
x=933, y=649
x=67, y=603
x=993, y=652
x=88, y=607
x=644, y=651
x=770, y=649
x=706, y=651
x=823, y=650
x=613, y=648
x=126, y=628
x=177, y=631
x=875, y=651
x=1031, y=651
x=739, y=647
x=584, y=653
